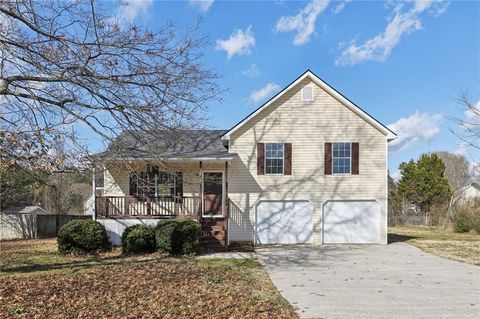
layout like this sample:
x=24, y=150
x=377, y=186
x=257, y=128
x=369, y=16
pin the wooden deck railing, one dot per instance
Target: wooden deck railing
x=129, y=206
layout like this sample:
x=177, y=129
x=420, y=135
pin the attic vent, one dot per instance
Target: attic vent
x=307, y=93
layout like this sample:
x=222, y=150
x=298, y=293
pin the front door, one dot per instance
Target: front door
x=212, y=193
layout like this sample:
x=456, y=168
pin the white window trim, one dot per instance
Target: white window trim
x=350, y=159
x=265, y=159
x=223, y=194
x=313, y=93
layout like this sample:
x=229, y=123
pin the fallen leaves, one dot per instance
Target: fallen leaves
x=157, y=287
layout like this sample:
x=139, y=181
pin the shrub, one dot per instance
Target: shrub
x=82, y=236
x=461, y=222
x=475, y=221
x=178, y=237
x=139, y=239
x=164, y=235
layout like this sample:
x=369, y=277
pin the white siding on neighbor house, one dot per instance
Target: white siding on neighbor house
x=308, y=126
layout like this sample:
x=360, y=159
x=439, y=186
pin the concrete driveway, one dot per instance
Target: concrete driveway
x=373, y=281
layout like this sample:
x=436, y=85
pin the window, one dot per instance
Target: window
x=341, y=158
x=274, y=158
x=307, y=93
x=157, y=184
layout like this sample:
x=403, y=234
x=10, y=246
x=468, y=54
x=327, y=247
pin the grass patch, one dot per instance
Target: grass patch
x=464, y=247
x=36, y=282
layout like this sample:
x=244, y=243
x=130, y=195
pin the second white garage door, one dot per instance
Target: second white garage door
x=353, y=222
x=284, y=222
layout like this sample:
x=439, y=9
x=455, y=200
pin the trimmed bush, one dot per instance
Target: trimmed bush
x=461, y=222
x=164, y=235
x=82, y=236
x=139, y=239
x=178, y=237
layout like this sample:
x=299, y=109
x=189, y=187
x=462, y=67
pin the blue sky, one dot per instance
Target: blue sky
x=403, y=62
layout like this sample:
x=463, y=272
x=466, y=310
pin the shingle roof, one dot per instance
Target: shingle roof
x=23, y=210
x=168, y=144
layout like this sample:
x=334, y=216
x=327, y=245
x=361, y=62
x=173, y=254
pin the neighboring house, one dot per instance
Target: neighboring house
x=308, y=166
x=467, y=194
x=24, y=210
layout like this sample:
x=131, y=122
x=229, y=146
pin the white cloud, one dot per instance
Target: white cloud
x=129, y=10
x=303, y=22
x=415, y=129
x=403, y=23
x=261, y=94
x=202, y=5
x=396, y=175
x=251, y=72
x=239, y=43
x=462, y=149
x=340, y=6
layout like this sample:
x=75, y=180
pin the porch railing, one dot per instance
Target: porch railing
x=119, y=206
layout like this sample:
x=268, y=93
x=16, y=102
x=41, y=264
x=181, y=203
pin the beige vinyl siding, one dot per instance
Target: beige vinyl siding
x=308, y=126
x=117, y=176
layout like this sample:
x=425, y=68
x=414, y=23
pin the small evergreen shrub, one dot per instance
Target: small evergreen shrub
x=178, y=237
x=164, y=235
x=82, y=236
x=461, y=222
x=139, y=239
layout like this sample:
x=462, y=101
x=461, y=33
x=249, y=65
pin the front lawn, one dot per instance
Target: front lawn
x=463, y=247
x=37, y=282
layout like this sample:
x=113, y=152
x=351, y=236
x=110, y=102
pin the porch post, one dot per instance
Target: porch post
x=200, y=195
x=94, y=194
x=227, y=212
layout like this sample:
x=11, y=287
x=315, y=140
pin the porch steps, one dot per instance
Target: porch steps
x=213, y=235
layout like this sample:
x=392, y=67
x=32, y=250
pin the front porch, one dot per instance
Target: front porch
x=118, y=212
x=147, y=207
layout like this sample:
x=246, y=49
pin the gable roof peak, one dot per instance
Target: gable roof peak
x=390, y=135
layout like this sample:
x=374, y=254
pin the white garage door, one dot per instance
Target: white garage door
x=351, y=222
x=284, y=222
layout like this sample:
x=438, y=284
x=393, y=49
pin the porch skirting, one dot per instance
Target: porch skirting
x=116, y=226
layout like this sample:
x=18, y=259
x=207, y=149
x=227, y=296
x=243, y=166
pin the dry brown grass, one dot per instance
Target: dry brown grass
x=464, y=247
x=36, y=282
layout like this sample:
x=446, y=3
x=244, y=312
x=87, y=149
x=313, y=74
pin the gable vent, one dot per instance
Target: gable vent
x=307, y=93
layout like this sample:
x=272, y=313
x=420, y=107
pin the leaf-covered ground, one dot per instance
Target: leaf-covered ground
x=149, y=286
x=464, y=247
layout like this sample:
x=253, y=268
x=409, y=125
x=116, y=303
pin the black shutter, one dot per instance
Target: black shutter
x=133, y=184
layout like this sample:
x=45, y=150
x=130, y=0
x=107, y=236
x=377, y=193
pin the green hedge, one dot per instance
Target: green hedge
x=82, y=236
x=178, y=237
x=461, y=222
x=139, y=239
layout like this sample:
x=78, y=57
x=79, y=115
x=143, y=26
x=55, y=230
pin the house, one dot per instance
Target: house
x=308, y=166
x=24, y=210
x=467, y=194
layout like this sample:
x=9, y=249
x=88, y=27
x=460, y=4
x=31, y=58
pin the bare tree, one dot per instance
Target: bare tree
x=469, y=131
x=66, y=66
x=64, y=195
x=457, y=169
